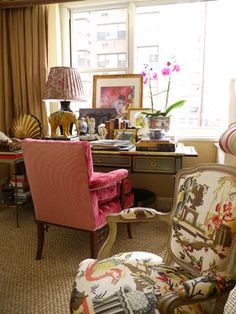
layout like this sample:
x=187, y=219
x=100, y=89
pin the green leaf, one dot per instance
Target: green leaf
x=151, y=114
x=177, y=104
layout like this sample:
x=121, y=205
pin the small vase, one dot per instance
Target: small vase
x=158, y=127
x=156, y=134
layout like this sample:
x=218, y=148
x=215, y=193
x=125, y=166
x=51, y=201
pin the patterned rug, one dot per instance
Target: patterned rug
x=28, y=286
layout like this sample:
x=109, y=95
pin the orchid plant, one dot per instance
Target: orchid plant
x=148, y=75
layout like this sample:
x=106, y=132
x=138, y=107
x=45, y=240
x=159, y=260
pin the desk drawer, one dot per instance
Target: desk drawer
x=154, y=164
x=111, y=160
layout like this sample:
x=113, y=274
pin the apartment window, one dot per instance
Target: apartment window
x=196, y=34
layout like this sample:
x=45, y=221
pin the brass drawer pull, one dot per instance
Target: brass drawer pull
x=153, y=164
x=99, y=159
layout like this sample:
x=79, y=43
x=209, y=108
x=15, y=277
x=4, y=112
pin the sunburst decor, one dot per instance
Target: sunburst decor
x=25, y=126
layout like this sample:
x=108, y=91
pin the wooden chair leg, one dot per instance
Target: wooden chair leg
x=93, y=244
x=129, y=230
x=40, y=233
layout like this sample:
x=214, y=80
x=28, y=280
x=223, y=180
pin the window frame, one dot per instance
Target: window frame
x=66, y=9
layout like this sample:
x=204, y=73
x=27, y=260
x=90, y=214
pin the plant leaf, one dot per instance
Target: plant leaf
x=151, y=114
x=177, y=104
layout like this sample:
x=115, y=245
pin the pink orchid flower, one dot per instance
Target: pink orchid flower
x=165, y=71
x=154, y=75
x=145, y=80
x=143, y=73
x=176, y=68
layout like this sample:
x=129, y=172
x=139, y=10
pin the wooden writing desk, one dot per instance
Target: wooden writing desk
x=144, y=161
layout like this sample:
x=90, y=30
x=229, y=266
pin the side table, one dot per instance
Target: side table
x=12, y=159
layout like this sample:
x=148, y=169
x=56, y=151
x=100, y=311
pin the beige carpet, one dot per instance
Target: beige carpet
x=30, y=286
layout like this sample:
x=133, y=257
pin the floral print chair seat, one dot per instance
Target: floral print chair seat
x=198, y=270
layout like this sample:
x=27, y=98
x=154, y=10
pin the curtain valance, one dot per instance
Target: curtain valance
x=6, y=4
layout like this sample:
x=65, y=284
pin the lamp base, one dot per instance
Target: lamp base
x=65, y=105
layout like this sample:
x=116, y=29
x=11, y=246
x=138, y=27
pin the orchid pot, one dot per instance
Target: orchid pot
x=159, y=122
x=159, y=119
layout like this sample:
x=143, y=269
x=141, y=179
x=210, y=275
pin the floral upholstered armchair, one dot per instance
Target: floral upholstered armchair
x=198, y=270
x=66, y=191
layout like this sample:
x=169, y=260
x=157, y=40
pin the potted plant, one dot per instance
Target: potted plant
x=160, y=119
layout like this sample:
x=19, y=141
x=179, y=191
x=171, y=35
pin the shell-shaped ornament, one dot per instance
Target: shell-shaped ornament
x=25, y=126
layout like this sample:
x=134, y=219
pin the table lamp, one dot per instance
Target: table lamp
x=63, y=84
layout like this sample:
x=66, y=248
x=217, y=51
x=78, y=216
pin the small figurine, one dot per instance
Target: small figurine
x=102, y=131
x=91, y=126
x=83, y=126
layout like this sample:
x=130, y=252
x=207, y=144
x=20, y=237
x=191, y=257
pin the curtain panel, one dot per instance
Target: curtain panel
x=6, y=4
x=23, y=64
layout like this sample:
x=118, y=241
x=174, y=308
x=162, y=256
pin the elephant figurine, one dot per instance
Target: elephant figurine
x=63, y=119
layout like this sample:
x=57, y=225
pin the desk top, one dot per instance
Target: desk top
x=181, y=150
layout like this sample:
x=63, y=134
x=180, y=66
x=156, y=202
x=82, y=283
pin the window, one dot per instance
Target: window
x=196, y=33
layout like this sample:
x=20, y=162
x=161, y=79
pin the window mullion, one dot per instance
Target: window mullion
x=131, y=37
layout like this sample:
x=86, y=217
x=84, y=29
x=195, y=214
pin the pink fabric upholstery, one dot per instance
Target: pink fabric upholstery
x=65, y=190
x=100, y=179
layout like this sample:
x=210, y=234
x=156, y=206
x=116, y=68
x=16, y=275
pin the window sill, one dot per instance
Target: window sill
x=196, y=135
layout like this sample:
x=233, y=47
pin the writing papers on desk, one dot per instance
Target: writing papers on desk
x=111, y=145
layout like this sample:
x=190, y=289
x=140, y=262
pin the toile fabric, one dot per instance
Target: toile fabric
x=201, y=244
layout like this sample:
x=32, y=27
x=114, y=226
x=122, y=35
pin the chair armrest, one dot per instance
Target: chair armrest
x=102, y=180
x=197, y=290
x=135, y=214
x=206, y=286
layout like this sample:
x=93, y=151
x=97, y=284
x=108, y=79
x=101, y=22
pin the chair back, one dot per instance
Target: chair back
x=59, y=173
x=202, y=236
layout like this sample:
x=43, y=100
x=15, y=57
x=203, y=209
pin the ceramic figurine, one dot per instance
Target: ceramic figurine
x=102, y=131
x=83, y=126
x=91, y=126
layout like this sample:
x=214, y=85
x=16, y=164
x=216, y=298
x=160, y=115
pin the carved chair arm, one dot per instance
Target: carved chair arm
x=135, y=214
x=215, y=286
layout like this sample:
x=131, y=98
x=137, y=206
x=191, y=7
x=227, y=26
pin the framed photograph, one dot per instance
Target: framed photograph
x=101, y=115
x=125, y=135
x=121, y=91
x=133, y=114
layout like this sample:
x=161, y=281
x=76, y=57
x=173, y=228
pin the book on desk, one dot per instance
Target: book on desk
x=163, y=145
x=11, y=154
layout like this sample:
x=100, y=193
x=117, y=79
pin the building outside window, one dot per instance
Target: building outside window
x=104, y=41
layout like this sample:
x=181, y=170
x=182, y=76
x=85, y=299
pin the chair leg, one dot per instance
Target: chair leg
x=93, y=244
x=129, y=230
x=40, y=232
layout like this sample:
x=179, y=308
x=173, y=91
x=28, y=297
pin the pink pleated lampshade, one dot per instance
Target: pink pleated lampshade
x=64, y=83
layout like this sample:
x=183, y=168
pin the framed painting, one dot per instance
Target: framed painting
x=125, y=135
x=121, y=91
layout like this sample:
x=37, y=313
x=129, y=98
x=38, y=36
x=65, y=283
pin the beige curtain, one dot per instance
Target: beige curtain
x=6, y=4
x=23, y=63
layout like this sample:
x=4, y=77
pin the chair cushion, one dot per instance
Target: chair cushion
x=110, y=192
x=126, y=283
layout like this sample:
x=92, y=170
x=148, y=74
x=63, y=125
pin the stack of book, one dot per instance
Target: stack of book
x=163, y=145
x=21, y=186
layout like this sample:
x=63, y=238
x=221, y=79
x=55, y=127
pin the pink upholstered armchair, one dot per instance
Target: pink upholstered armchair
x=66, y=191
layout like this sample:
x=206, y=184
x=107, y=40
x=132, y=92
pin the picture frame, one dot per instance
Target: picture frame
x=101, y=115
x=133, y=112
x=119, y=91
x=126, y=135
